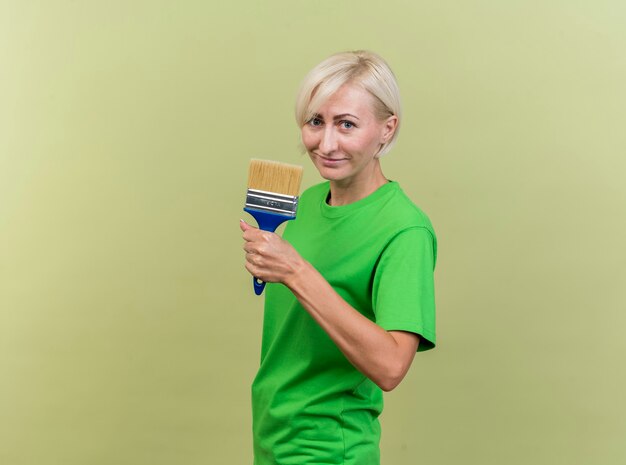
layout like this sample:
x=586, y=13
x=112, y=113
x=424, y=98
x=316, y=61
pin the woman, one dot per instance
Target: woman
x=353, y=294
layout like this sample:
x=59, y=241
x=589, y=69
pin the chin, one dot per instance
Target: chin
x=331, y=174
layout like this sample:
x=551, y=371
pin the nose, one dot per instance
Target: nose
x=328, y=142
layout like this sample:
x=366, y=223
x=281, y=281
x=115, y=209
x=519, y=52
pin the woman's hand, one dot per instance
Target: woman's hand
x=268, y=256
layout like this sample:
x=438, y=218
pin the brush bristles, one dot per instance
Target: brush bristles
x=272, y=176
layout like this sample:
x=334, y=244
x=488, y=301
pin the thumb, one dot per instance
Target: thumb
x=245, y=226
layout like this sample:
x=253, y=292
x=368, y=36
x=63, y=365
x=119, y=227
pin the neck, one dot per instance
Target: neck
x=348, y=191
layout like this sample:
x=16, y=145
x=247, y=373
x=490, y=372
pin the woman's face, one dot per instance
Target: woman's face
x=344, y=136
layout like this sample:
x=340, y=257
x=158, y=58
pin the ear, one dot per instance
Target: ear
x=389, y=128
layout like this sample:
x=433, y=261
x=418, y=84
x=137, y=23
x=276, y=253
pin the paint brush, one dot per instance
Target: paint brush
x=272, y=197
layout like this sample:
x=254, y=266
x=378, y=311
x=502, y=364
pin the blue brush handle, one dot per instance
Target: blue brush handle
x=267, y=221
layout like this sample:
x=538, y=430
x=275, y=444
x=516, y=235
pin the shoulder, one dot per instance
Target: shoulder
x=404, y=221
x=401, y=212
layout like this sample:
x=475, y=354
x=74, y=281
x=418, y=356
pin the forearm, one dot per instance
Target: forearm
x=371, y=349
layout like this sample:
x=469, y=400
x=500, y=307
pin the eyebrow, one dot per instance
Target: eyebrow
x=343, y=115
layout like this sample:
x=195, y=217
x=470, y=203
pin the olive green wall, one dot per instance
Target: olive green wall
x=129, y=333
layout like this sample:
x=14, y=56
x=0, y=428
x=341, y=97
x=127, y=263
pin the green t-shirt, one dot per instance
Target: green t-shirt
x=310, y=405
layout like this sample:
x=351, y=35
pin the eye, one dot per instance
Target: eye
x=315, y=121
x=345, y=124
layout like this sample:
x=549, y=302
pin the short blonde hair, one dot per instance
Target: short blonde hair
x=362, y=67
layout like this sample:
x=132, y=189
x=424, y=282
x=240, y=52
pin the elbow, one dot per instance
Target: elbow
x=391, y=378
x=387, y=385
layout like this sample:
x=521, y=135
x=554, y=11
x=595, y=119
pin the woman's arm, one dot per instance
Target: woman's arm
x=383, y=356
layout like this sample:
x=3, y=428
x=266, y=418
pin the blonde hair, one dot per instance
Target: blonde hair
x=362, y=67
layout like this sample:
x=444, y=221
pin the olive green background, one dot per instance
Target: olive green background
x=129, y=332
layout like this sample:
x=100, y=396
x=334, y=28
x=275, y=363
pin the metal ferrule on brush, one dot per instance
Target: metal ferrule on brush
x=272, y=202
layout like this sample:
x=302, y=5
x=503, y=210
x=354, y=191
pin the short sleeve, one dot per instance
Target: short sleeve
x=403, y=293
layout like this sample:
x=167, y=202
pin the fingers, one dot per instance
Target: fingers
x=252, y=247
x=255, y=265
x=264, y=252
x=244, y=226
x=250, y=233
x=256, y=272
x=255, y=240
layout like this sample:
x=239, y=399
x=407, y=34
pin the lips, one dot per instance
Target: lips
x=331, y=161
